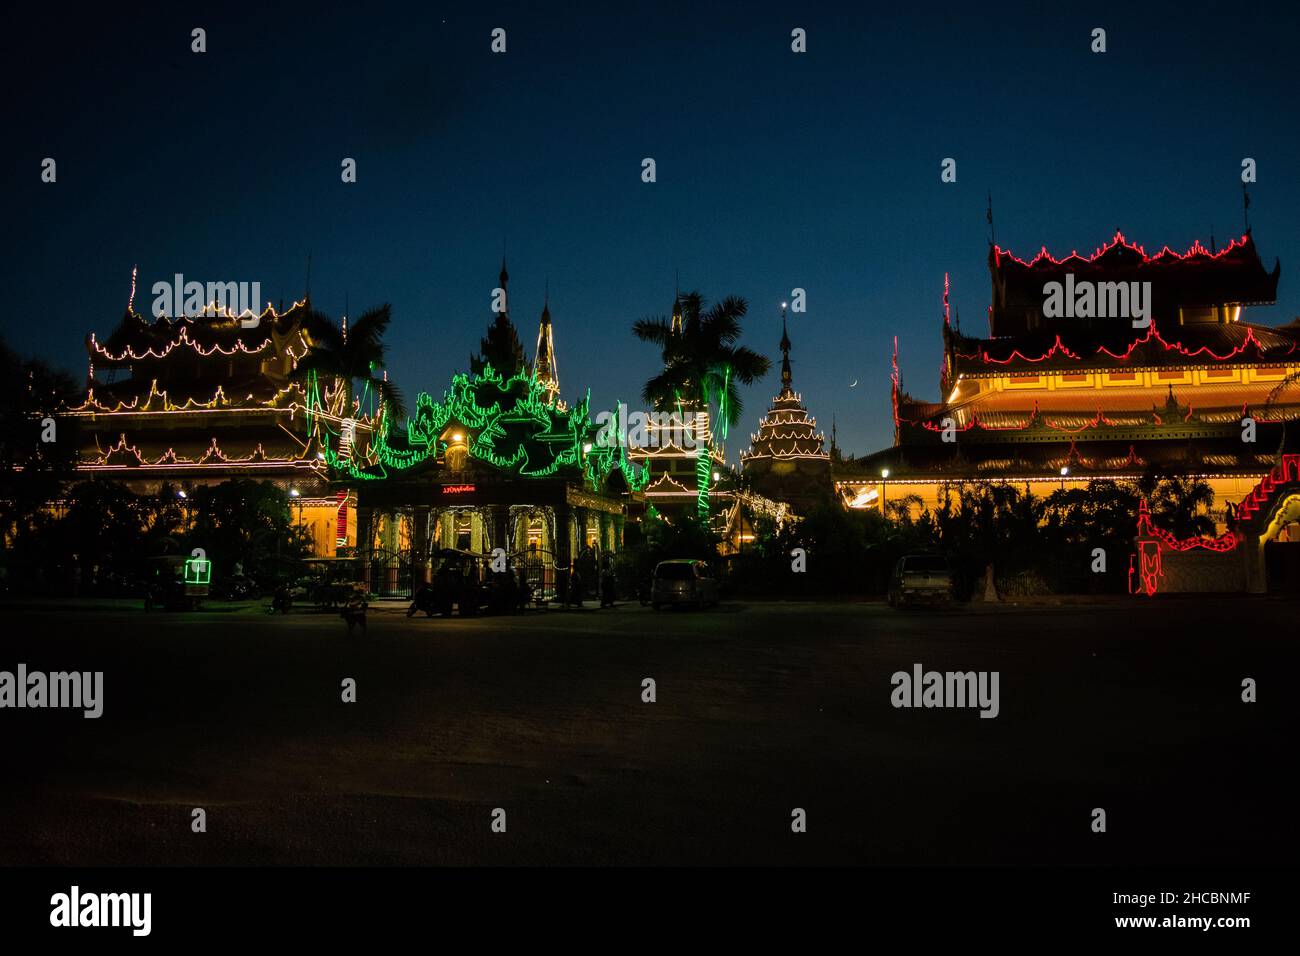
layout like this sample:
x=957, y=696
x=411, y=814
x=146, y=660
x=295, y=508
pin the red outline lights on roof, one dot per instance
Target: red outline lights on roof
x=1151, y=335
x=1196, y=250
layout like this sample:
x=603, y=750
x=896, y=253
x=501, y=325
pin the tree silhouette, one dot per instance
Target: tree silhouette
x=351, y=357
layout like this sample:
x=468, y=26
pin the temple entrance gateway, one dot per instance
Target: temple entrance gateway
x=1280, y=545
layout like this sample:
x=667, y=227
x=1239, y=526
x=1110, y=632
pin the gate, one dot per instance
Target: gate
x=539, y=569
x=390, y=574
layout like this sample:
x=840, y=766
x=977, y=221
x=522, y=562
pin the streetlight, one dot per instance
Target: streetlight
x=297, y=495
x=1065, y=470
x=884, y=478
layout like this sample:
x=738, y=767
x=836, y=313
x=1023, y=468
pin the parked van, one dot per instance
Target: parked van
x=683, y=581
x=921, y=579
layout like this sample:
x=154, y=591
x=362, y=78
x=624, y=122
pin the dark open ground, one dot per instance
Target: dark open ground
x=1133, y=706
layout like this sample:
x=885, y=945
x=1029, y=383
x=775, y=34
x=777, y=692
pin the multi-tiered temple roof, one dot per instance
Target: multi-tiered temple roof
x=205, y=397
x=1099, y=395
x=1190, y=282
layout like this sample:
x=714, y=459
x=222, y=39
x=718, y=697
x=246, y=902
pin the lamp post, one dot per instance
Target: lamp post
x=884, y=480
x=296, y=496
x=1065, y=470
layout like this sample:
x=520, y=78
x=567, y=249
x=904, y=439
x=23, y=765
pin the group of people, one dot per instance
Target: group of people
x=571, y=584
x=456, y=585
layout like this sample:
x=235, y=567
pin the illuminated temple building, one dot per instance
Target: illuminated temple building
x=498, y=461
x=787, y=460
x=1054, y=402
x=200, y=400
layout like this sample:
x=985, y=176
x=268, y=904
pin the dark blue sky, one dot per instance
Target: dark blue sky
x=775, y=170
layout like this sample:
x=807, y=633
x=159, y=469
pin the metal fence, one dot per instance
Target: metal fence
x=390, y=574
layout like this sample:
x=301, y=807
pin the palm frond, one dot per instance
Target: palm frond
x=370, y=328
x=323, y=331
x=662, y=390
x=324, y=363
x=657, y=331
x=392, y=398
x=747, y=366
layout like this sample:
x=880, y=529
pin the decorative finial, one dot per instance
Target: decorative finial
x=785, y=354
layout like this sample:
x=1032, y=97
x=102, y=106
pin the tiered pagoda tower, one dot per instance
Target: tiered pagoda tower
x=787, y=460
x=198, y=400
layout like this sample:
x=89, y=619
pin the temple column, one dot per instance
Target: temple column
x=580, y=525
x=420, y=546
x=365, y=539
x=562, y=546
x=498, y=517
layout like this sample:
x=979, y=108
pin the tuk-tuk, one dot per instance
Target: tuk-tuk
x=176, y=582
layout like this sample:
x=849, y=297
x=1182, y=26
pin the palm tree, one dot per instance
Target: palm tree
x=351, y=356
x=1179, y=504
x=703, y=365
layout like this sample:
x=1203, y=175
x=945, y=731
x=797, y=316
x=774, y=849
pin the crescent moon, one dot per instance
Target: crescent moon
x=855, y=384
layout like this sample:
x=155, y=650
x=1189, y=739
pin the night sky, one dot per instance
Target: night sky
x=775, y=170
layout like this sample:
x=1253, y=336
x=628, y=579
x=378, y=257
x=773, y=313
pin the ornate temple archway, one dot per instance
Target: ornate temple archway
x=1267, y=517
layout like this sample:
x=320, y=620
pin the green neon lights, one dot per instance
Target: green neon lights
x=198, y=571
x=505, y=422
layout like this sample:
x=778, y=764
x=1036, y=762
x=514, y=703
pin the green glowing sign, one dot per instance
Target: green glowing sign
x=198, y=571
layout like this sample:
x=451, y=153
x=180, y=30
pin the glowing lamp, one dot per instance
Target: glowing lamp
x=1064, y=472
x=293, y=492
x=884, y=472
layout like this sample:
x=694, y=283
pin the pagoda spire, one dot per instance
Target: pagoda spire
x=505, y=283
x=785, y=356
x=544, y=370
